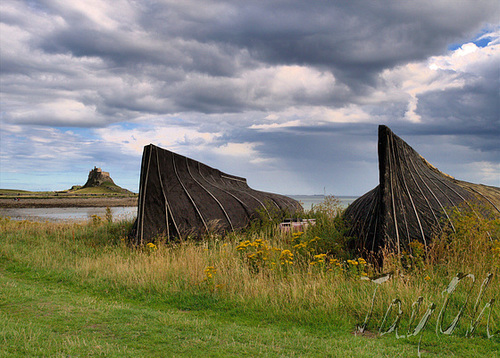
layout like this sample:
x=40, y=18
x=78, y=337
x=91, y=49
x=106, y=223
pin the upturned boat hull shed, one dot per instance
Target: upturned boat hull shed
x=413, y=200
x=179, y=197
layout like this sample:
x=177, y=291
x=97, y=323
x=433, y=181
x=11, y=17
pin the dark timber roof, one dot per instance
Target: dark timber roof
x=179, y=196
x=412, y=201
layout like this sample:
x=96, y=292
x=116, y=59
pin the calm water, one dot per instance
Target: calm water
x=121, y=213
x=308, y=200
x=61, y=214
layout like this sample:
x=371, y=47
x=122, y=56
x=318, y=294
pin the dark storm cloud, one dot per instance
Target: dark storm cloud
x=469, y=115
x=356, y=39
x=473, y=109
x=191, y=53
x=340, y=157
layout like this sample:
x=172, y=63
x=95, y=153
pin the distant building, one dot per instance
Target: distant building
x=97, y=177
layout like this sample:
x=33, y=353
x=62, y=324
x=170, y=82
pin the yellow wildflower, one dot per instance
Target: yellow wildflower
x=286, y=253
x=300, y=246
x=286, y=257
x=209, y=272
x=243, y=245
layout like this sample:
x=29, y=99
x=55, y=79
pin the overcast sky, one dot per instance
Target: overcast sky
x=288, y=94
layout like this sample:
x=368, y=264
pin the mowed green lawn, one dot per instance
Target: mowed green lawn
x=41, y=318
x=64, y=292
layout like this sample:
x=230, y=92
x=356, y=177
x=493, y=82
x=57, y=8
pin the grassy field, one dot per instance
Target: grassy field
x=71, y=289
x=16, y=192
x=104, y=189
x=102, y=196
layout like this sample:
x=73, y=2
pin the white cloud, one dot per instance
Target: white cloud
x=274, y=125
x=439, y=73
x=469, y=58
x=240, y=150
x=60, y=111
x=167, y=136
x=103, y=14
x=485, y=172
x=292, y=81
x=40, y=149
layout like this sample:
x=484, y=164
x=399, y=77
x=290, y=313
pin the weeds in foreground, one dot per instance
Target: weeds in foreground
x=470, y=245
x=308, y=277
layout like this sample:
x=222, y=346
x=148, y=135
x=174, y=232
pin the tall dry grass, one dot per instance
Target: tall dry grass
x=306, y=276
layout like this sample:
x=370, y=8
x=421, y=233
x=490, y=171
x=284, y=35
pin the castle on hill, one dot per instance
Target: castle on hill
x=97, y=177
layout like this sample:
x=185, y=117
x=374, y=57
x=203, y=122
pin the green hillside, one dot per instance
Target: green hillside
x=8, y=193
x=104, y=188
x=14, y=192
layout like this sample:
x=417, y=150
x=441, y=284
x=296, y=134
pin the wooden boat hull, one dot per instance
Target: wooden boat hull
x=180, y=197
x=413, y=200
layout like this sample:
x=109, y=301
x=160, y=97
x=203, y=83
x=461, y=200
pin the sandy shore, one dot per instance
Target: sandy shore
x=61, y=202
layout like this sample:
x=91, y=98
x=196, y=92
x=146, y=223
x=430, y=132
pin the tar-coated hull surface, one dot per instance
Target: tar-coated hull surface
x=179, y=196
x=413, y=200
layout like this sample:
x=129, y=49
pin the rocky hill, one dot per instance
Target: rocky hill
x=99, y=182
x=97, y=178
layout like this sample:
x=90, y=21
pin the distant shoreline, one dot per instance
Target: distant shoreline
x=67, y=202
